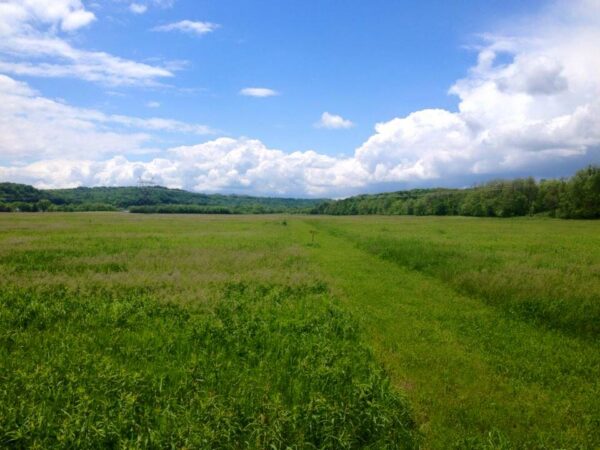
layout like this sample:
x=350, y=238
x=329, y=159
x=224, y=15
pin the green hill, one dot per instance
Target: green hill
x=142, y=199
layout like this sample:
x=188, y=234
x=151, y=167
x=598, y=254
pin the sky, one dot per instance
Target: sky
x=312, y=98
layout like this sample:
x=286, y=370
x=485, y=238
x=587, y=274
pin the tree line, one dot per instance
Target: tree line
x=577, y=197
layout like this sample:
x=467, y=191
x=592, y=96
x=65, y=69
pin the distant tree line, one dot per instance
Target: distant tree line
x=576, y=198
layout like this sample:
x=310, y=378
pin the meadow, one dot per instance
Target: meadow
x=147, y=331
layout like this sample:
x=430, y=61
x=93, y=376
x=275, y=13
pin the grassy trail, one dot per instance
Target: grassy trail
x=474, y=376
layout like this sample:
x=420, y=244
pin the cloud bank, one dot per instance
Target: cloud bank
x=531, y=104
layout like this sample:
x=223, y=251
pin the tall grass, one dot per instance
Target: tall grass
x=270, y=367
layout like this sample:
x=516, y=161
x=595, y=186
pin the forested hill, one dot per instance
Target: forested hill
x=142, y=199
x=124, y=197
x=576, y=197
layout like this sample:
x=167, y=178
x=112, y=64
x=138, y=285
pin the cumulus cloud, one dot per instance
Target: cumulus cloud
x=258, y=92
x=246, y=165
x=31, y=44
x=530, y=104
x=333, y=122
x=189, y=26
x=540, y=108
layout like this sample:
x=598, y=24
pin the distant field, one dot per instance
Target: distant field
x=120, y=330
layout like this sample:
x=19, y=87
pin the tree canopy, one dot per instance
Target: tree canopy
x=577, y=197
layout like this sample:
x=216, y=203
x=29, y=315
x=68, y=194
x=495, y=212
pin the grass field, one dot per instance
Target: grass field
x=121, y=330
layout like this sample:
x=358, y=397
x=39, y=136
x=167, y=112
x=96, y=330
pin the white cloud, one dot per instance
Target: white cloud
x=35, y=127
x=246, y=165
x=153, y=104
x=540, y=108
x=258, y=92
x=333, y=122
x=138, y=8
x=31, y=44
x=68, y=14
x=189, y=26
x=224, y=164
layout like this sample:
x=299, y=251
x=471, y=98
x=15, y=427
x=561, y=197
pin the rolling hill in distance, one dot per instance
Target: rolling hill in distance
x=128, y=197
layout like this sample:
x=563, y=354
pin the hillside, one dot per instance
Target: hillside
x=27, y=198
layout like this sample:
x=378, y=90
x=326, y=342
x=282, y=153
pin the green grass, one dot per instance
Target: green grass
x=546, y=271
x=134, y=331
x=271, y=366
x=477, y=374
x=119, y=332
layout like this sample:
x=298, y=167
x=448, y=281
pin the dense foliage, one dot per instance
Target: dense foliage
x=577, y=197
x=24, y=198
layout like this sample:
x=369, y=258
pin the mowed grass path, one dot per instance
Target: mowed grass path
x=477, y=376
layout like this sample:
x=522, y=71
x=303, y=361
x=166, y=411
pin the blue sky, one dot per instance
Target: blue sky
x=463, y=91
x=368, y=61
